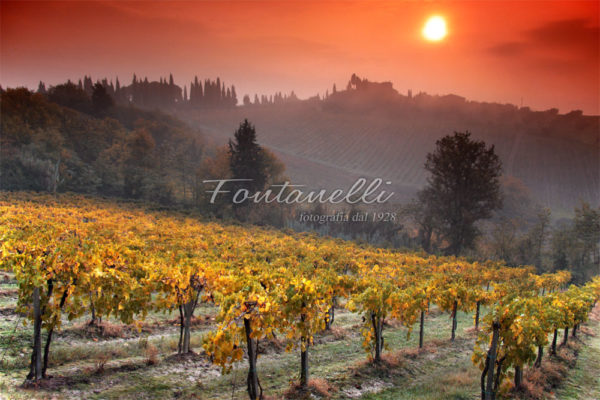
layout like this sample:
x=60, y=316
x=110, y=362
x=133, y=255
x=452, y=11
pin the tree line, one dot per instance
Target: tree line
x=164, y=93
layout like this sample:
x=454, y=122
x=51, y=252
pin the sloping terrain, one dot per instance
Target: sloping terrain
x=329, y=143
x=121, y=363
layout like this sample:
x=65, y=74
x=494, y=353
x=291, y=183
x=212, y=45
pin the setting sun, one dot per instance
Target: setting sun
x=435, y=29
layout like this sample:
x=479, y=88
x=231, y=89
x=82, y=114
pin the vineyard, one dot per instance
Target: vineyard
x=330, y=149
x=74, y=258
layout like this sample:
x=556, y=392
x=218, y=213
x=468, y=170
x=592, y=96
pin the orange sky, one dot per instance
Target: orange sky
x=546, y=52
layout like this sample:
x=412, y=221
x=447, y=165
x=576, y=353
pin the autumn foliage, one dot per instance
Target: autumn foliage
x=81, y=254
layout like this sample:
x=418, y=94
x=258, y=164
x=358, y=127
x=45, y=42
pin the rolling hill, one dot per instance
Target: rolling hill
x=372, y=131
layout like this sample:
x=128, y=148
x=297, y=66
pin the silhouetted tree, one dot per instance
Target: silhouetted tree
x=41, y=88
x=233, y=96
x=101, y=100
x=69, y=95
x=246, y=160
x=462, y=189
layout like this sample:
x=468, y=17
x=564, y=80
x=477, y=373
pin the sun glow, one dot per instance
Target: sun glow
x=435, y=29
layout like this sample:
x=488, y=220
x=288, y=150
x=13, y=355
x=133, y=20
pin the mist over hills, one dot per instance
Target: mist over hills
x=368, y=130
x=371, y=130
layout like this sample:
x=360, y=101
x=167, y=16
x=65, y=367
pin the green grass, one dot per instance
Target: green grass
x=118, y=368
x=583, y=382
x=78, y=357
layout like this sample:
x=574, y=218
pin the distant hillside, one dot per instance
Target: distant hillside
x=64, y=145
x=373, y=131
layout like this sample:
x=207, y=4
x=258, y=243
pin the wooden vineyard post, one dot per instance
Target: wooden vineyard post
x=421, y=329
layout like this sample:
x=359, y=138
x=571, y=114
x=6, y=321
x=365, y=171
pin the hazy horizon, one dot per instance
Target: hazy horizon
x=340, y=86
x=541, y=55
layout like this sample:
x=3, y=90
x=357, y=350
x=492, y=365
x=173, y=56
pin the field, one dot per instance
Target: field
x=326, y=148
x=105, y=280
x=124, y=364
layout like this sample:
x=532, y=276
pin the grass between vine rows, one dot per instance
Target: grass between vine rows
x=118, y=362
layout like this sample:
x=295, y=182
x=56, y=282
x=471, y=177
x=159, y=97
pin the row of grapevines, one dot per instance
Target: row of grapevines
x=73, y=255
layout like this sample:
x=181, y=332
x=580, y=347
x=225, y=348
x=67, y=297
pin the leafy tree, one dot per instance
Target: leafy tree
x=562, y=248
x=424, y=217
x=576, y=245
x=140, y=148
x=519, y=247
x=141, y=144
x=503, y=240
x=533, y=245
x=585, y=259
x=211, y=168
x=587, y=231
x=463, y=188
